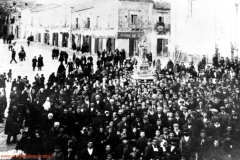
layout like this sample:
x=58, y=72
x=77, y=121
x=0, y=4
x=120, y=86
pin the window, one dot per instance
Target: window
x=161, y=19
x=76, y=22
x=134, y=19
x=97, y=22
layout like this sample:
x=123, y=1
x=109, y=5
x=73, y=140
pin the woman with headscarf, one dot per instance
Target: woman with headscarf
x=61, y=69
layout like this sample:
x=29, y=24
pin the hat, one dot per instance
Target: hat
x=214, y=110
x=175, y=125
x=185, y=131
x=222, y=108
x=215, y=119
x=203, y=131
x=165, y=129
x=124, y=138
x=194, y=113
x=184, y=108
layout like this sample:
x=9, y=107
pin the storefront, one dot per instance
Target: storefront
x=86, y=46
x=55, y=39
x=78, y=42
x=39, y=37
x=65, y=36
x=130, y=41
x=46, y=37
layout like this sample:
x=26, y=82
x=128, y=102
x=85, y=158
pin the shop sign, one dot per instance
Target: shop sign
x=127, y=35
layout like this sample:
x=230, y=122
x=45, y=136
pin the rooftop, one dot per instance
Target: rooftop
x=44, y=7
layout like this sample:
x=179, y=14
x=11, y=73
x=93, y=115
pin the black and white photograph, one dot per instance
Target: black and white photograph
x=119, y=80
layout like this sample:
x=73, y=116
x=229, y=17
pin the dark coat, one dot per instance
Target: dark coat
x=86, y=156
x=40, y=62
x=34, y=62
x=13, y=123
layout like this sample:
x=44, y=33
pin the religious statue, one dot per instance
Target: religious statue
x=143, y=47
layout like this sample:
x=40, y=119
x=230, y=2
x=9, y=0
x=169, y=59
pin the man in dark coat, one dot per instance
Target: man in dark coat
x=13, y=124
x=34, y=62
x=40, y=63
x=53, y=53
x=13, y=56
x=66, y=57
x=90, y=153
x=61, y=58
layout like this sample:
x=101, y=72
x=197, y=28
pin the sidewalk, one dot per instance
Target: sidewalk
x=68, y=50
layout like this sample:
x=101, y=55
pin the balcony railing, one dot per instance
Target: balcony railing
x=162, y=28
x=135, y=26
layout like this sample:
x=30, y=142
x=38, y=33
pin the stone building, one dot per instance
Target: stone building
x=133, y=25
x=123, y=24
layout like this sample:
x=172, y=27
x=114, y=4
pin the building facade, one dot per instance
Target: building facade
x=134, y=25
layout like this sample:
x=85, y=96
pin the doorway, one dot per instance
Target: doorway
x=133, y=46
x=162, y=47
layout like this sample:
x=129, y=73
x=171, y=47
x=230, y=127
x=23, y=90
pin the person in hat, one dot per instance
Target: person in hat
x=142, y=142
x=216, y=151
x=165, y=133
x=135, y=154
x=187, y=145
x=180, y=121
x=147, y=127
x=108, y=150
x=13, y=124
x=224, y=117
x=40, y=63
x=193, y=130
x=58, y=154
x=98, y=121
x=203, y=144
x=177, y=132
x=218, y=129
x=172, y=150
x=123, y=123
x=100, y=139
x=123, y=150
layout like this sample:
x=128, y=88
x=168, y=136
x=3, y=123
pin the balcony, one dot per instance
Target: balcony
x=162, y=28
x=137, y=26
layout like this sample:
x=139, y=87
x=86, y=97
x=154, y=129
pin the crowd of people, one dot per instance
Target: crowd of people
x=185, y=113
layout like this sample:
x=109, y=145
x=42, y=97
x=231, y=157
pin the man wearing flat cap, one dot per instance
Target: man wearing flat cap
x=224, y=117
x=203, y=145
